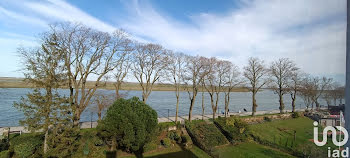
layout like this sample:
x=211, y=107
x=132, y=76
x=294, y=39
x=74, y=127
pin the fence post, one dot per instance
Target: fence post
x=168, y=115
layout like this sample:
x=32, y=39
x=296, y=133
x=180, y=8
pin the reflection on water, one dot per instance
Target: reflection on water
x=161, y=101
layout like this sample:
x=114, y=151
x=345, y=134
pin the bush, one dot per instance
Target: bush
x=206, y=136
x=150, y=146
x=267, y=119
x=166, y=142
x=186, y=140
x=173, y=135
x=295, y=115
x=4, y=145
x=130, y=123
x=4, y=154
x=234, y=132
x=26, y=145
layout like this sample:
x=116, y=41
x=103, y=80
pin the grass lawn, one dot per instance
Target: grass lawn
x=249, y=149
x=279, y=131
x=176, y=152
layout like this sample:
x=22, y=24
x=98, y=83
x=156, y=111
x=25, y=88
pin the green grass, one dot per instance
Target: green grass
x=279, y=131
x=175, y=152
x=249, y=149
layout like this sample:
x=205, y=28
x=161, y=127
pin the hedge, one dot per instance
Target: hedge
x=233, y=128
x=26, y=145
x=205, y=136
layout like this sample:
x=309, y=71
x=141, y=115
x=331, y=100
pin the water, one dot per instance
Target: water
x=160, y=101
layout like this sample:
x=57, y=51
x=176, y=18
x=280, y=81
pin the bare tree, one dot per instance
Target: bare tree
x=122, y=57
x=175, y=68
x=334, y=92
x=101, y=102
x=281, y=70
x=294, y=87
x=320, y=84
x=231, y=81
x=312, y=88
x=256, y=73
x=88, y=53
x=148, y=64
x=215, y=80
x=195, y=71
x=306, y=91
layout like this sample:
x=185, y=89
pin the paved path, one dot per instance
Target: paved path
x=84, y=125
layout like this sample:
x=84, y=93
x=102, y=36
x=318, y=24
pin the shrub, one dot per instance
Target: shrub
x=4, y=145
x=130, y=123
x=4, y=154
x=26, y=144
x=295, y=115
x=236, y=132
x=150, y=146
x=186, y=140
x=173, y=135
x=206, y=136
x=267, y=119
x=166, y=142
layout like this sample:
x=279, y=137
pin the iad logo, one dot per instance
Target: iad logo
x=334, y=153
x=334, y=135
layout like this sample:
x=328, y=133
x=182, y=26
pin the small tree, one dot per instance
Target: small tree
x=44, y=108
x=128, y=124
x=231, y=81
x=175, y=68
x=294, y=86
x=102, y=101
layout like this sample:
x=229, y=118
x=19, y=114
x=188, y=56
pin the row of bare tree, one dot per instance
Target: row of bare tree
x=87, y=54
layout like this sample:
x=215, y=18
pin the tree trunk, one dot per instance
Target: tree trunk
x=45, y=141
x=293, y=104
x=191, y=108
x=254, y=104
x=117, y=87
x=114, y=144
x=203, y=105
x=177, y=108
x=99, y=115
x=281, y=103
x=76, y=118
x=144, y=98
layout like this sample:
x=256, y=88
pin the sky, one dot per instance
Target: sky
x=312, y=33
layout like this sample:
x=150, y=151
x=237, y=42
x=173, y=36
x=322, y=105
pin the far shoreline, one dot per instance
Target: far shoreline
x=12, y=82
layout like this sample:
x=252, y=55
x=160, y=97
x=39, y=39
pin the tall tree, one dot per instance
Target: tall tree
x=148, y=65
x=231, y=81
x=175, y=66
x=87, y=53
x=194, y=73
x=256, y=73
x=124, y=48
x=44, y=107
x=281, y=71
x=294, y=86
x=214, y=80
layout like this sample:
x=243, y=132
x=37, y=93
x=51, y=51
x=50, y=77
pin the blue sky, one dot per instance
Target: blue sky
x=312, y=33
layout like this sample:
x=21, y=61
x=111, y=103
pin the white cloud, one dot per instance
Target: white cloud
x=63, y=11
x=13, y=17
x=310, y=32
